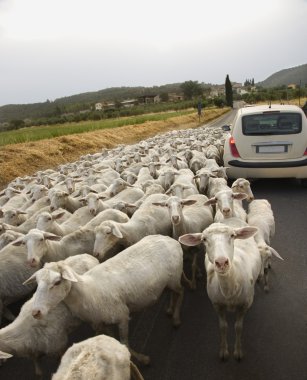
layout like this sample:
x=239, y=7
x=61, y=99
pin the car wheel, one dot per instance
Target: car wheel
x=304, y=182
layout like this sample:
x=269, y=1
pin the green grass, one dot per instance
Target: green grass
x=48, y=132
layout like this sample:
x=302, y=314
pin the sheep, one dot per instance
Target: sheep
x=14, y=217
x=43, y=246
x=106, y=294
x=64, y=200
x=27, y=337
x=242, y=185
x=233, y=264
x=202, y=179
x=112, y=237
x=8, y=237
x=13, y=271
x=194, y=218
x=12, y=198
x=101, y=357
x=227, y=208
x=260, y=215
x=47, y=222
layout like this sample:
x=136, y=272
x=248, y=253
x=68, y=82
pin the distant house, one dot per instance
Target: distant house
x=129, y=103
x=172, y=97
x=98, y=107
x=104, y=105
x=145, y=99
x=291, y=86
x=217, y=90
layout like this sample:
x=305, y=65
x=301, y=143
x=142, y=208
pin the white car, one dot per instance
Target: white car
x=267, y=142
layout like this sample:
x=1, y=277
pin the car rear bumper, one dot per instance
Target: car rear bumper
x=273, y=169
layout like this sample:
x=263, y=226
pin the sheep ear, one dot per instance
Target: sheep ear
x=116, y=232
x=18, y=242
x=211, y=201
x=68, y=274
x=50, y=236
x=245, y=232
x=239, y=196
x=21, y=212
x=59, y=215
x=275, y=253
x=30, y=280
x=188, y=202
x=191, y=239
x=5, y=355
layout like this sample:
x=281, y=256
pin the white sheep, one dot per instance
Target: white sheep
x=226, y=205
x=242, y=185
x=8, y=237
x=64, y=200
x=130, y=281
x=101, y=357
x=42, y=247
x=260, y=215
x=232, y=264
x=27, y=337
x=112, y=237
x=14, y=270
x=188, y=215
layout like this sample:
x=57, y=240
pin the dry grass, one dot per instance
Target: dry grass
x=27, y=158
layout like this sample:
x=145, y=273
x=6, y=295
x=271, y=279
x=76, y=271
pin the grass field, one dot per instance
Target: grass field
x=51, y=131
x=28, y=157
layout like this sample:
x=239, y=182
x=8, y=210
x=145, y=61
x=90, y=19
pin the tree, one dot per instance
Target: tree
x=191, y=89
x=228, y=92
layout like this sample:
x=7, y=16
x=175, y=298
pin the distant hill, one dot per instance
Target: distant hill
x=287, y=76
x=79, y=102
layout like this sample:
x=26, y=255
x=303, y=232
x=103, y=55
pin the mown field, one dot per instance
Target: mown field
x=26, y=151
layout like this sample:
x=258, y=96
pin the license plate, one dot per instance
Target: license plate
x=272, y=149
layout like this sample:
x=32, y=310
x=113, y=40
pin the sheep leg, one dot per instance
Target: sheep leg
x=177, y=301
x=223, y=325
x=37, y=368
x=194, y=270
x=266, y=279
x=238, y=353
x=123, y=328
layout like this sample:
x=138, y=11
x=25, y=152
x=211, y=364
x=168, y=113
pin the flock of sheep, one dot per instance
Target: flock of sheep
x=103, y=237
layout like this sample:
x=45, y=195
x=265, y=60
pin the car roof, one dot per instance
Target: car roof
x=266, y=108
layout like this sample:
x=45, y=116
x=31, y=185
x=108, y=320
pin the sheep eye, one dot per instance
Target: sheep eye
x=57, y=282
x=232, y=235
x=42, y=239
x=49, y=218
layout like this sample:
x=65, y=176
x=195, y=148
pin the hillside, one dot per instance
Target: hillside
x=287, y=76
x=79, y=102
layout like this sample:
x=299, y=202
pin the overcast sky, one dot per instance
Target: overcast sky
x=55, y=48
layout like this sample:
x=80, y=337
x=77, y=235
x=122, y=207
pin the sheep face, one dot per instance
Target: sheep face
x=107, y=240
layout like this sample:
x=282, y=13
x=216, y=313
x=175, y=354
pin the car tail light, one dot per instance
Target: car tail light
x=233, y=148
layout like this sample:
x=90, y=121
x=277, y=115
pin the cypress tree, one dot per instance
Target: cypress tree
x=228, y=92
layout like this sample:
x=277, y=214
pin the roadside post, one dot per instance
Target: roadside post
x=199, y=107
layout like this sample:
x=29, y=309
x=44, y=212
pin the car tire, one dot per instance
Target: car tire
x=304, y=182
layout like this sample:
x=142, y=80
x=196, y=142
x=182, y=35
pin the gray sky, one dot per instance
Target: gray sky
x=55, y=48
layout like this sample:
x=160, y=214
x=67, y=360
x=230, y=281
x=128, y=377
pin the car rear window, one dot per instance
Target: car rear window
x=272, y=123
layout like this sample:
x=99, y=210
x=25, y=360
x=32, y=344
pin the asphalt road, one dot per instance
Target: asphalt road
x=275, y=328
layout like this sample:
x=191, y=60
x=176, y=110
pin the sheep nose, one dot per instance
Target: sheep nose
x=175, y=219
x=92, y=211
x=33, y=263
x=36, y=314
x=226, y=211
x=95, y=254
x=52, y=208
x=222, y=263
